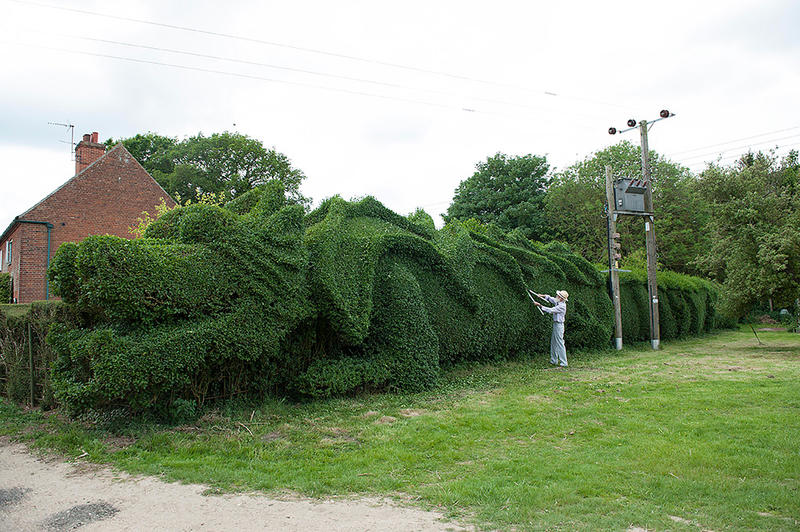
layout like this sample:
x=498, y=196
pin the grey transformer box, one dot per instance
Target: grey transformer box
x=629, y=194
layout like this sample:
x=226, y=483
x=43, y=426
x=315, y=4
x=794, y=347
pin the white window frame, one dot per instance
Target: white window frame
x=9, y=249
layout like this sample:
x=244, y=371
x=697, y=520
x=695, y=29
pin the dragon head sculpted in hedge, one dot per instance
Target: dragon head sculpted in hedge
x=259, y=297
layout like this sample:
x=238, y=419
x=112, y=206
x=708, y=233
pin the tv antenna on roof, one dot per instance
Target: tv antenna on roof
x=71, y=137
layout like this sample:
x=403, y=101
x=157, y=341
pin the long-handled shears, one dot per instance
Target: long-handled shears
x=530, y=295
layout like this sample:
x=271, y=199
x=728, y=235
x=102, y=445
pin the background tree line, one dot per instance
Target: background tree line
x=737, y=224
x=225, y=164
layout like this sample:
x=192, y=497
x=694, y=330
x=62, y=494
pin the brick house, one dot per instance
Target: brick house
x=107, y=195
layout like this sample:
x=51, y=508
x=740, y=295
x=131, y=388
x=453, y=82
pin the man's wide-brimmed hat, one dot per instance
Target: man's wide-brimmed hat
x=563, y=294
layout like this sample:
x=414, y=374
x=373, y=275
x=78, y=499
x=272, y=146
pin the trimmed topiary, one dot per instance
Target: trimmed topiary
x=201, y=307
x=255, y=297
x=686, y=305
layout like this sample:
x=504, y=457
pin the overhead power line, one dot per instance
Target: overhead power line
x=274, y=80
x=233, y=74
x=745, y=146
x=307, y=71
x=436, y=204
x=314, y=51
x=734, y=140
x=738, y=155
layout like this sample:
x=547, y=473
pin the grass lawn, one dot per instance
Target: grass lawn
x=16, y=310
x=704, y=434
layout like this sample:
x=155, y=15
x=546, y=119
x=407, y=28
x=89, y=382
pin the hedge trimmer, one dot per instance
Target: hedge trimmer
x=530, y=295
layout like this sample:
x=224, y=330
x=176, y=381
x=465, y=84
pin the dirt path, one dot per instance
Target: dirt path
x=37, y=494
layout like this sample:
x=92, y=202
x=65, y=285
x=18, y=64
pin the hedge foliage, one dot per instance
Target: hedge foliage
x=398, y=300
x=687, y=306
x=200, y=307
x=5, y=288
x=24, y=353
x=257, y=297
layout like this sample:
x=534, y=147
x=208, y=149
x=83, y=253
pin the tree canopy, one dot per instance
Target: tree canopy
x=225, y=164
x=576, y=197
x=754, y=229
x=507, y=191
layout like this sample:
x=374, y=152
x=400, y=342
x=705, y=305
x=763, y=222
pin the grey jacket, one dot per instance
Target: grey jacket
x=559, y=311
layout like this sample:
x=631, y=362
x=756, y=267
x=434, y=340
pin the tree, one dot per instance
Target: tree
x=754, y=230
x=154, y=152
x=506, y=191
x=226, y=164
x=576, y=197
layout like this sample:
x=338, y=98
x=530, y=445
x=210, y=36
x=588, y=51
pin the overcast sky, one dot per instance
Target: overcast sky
x=398, y=100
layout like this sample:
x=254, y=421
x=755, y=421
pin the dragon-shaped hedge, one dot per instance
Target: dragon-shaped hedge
x=258, y=297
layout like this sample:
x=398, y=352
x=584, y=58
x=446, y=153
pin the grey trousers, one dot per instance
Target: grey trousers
x=558, y=351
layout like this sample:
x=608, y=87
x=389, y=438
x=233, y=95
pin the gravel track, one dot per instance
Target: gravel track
x=46, y=494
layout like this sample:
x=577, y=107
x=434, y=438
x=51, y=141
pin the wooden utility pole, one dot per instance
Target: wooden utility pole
x=645, y=210
x=648, y=195
x=613, y=265
x=650, y=235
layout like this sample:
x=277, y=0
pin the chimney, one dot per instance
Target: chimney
x=88, y=151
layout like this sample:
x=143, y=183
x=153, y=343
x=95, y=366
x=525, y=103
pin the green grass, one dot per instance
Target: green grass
x=16, y=310
x=700, y=435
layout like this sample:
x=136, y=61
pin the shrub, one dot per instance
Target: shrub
x=686, y=305
x=398, y=301
x=5, y=288
x=200, y=307
x=258, y=298
x=23, y=329
x=424, y=221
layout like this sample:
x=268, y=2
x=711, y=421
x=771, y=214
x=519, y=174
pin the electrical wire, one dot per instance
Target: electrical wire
x=734, y=140
x=235, y=74
x=446, y=202
x=737, y=156
x=740, y=147
x=311, y=72
x=314, y=51
x=274, y=80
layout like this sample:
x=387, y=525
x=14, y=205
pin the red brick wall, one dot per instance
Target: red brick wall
x=32, y=274
x=106, y=198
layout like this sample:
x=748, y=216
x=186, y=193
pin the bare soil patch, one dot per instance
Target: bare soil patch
x=78, y=516
x=46, y=495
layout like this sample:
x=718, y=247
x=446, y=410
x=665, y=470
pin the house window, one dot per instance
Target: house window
x=8, y=251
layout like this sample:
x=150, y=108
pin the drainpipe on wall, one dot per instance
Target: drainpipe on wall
x=46, y=277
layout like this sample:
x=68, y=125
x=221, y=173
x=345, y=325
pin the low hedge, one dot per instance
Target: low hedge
x=260, y=298
x=687, y=306
x=24, y=353
x=5, y=288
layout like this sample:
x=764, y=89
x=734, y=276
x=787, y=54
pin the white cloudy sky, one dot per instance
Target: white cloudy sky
x=398, y=100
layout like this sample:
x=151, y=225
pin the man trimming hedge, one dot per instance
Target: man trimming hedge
x=558, y=351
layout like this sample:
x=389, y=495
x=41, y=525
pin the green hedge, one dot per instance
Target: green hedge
x=399, y=300
x=5, y=288
x=260, y=298
x=23, y=329
x=200, y=307
x=687, y=306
